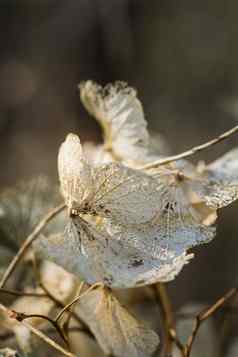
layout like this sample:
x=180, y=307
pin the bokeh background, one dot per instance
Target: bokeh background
x=182, y=56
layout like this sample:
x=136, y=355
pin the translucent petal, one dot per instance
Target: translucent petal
x=218, y=184
x=116, y=330
x=59, y=282
x=121, y=115
x=181, y=188
x=74, y=172
x=124, y=194
x=121, y=257
x=96, y=154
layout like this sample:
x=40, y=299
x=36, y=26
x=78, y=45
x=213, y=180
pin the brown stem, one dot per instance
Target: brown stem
x=177, y=342
x=19, y=316
x=58, y=303
x=192, y=151
x=167, y=312
x=70, y=314
x=38, y=333
x=67, y=307
x=204, y=315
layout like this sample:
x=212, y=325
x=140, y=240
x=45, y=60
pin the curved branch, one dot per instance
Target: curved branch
x=192, y=151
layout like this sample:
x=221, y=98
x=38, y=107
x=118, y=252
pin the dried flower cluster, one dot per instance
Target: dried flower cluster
x=130, y=226
x=132, y=215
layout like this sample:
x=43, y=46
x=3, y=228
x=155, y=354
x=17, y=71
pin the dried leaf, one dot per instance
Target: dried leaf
x=116, y=330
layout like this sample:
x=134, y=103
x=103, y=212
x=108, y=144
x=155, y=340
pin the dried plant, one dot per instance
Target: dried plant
x=132, y=214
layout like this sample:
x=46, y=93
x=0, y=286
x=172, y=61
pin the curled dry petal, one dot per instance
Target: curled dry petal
x=219, y=181
x=117, y=331
x=75, y=175
x=120, y=113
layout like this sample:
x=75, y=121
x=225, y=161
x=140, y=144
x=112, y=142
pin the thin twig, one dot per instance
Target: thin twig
x=58, y=303
x=19, y=316
x=204, y=315
x=192, y=151
x=39, y=333
x=67, y=307
x=21, y=293
x=167, y=307
x=164, y=302
x=68, y=319
x=176, y=340
x=28, y=242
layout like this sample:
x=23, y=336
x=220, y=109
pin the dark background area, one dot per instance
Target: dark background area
x=181, y=56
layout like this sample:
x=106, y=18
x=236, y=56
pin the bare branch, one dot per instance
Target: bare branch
x=38, y=333
x=192, y=151
x=162, y=297
x=28, y=242
x=204, y=315
x=67, y=307
x=84, y=328
x=178, y=343
x=19, y=316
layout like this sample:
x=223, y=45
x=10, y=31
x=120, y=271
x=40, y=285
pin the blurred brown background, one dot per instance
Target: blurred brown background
x=181, y=56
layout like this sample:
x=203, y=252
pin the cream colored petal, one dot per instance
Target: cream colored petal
x=123, y=256
x=96, y=154
x=121, y=115
x=218, y=185
x=116, y=330
x=75, y=174
x=126, y=195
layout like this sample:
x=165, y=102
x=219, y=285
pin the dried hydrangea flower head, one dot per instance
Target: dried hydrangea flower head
x=131, y=227
x=120, y=113
x=146, y=224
